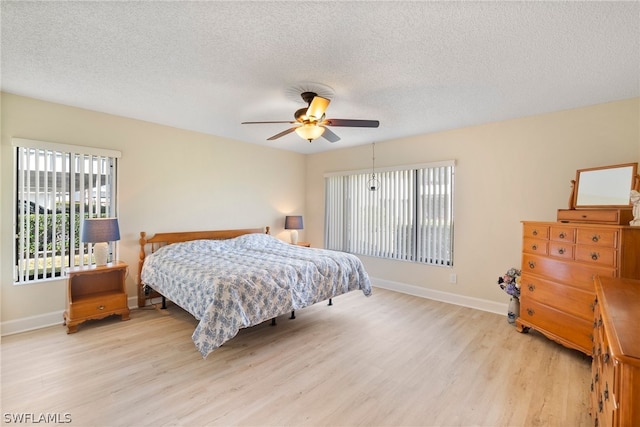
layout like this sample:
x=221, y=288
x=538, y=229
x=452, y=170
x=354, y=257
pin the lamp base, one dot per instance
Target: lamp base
x=294, y=237
x=100, y=253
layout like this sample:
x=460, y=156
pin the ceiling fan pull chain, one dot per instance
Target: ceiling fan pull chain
x=373, y=184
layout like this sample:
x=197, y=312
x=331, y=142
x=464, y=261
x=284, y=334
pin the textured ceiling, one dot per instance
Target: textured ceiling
x=418, y=67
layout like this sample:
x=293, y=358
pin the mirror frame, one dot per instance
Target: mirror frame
x=634, y=182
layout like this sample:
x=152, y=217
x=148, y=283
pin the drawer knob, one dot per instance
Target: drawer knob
x=101, y=307
x=534, y=232
x=534, y=247
x=531, y=287
x=562, y=235
x=532, y=265
x=595, y=256
x=530, y=311
x=605, y=358
x=595, y=238
x=561, y=251
x=606, y=391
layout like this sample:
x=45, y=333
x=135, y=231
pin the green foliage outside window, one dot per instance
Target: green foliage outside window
x=52, y=229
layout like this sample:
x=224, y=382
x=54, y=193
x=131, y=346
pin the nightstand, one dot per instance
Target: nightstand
x=305, y=244
x=95, y=292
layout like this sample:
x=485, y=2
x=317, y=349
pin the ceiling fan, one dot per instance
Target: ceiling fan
x=311, y=122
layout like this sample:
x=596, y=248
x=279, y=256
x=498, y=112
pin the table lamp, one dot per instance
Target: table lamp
x=293, y=223
x=100, y=231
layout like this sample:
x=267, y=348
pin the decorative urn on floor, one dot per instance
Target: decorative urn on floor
x=510, y=283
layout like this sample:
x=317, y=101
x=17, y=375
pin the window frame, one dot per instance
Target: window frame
x=346, y=214
x=22, y=274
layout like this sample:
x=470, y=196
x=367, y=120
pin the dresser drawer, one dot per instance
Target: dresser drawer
x=599, y=237
x=602, y=256
x=605, y=389
x=562, y=233
x=574, y=301
x=536, y=231
x=576, y=274
x=602, y=216
x=562, y=327
x=535, y=246
x=561, y=250
x=97, y=307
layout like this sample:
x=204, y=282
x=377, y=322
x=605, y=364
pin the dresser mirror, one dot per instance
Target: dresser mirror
x=605, y=187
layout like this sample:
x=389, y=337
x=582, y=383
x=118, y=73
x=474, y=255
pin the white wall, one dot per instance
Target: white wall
x=506, y=172
x=170, y=180
x=173, y=179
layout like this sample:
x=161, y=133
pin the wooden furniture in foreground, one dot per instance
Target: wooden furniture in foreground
x=615, y=379
x=159, y=240
x=559, y=261
x=95, y=292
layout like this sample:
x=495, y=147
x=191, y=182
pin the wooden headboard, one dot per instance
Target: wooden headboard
x=152, y=244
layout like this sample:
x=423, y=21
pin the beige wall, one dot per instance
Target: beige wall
x=506, y=172
x=170, y=180
x=173, y=179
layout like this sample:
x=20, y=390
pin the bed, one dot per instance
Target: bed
x=234, y=279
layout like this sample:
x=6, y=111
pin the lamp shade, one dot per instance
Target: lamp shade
x=96, y=230
x=293, y=223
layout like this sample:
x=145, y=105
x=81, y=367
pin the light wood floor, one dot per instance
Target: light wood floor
x=387, y=360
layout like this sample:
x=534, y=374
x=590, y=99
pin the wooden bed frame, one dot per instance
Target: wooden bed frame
x=152, y=244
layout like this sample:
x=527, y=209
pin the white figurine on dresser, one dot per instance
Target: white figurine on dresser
x=635, y=200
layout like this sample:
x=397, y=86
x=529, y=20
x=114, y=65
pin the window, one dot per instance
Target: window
x=57, y=186
x=410, y=217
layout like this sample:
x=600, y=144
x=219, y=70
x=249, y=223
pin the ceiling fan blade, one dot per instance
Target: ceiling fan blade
x=283, y=133
x=352, y=123
x=259, y=123
x=317, y=107
x=330, y=136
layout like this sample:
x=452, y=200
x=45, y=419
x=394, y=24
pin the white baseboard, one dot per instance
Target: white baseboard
x=465, y=301
x=31, y=323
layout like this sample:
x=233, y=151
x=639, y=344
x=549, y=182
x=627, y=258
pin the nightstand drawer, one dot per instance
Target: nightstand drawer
x=94, y=292
x=97, y=306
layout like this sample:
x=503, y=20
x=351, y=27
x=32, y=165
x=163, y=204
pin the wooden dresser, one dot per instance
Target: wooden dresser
x=615, y=378
x=559, y=262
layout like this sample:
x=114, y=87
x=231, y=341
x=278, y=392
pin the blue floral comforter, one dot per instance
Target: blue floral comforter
x=232, y=284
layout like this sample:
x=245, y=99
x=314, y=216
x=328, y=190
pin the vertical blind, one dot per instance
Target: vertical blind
x=409, y=217
x=57, y=186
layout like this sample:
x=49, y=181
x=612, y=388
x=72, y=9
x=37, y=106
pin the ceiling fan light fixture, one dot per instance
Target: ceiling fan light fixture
x=309, y=131
x=317, y=107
